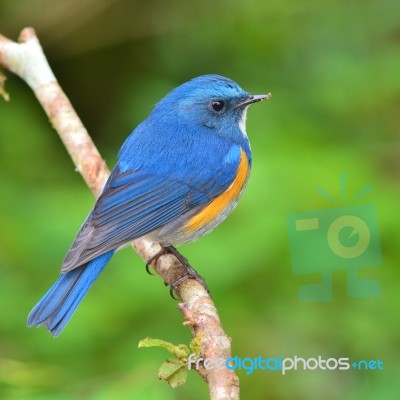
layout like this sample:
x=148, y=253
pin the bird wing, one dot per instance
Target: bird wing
x=134, y=203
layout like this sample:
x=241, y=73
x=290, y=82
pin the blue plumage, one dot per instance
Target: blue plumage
x=173, y=166
x=57, y=306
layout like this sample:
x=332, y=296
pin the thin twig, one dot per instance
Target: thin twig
x=27, y=60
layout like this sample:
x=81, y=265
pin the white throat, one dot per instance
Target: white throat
x=242, y=122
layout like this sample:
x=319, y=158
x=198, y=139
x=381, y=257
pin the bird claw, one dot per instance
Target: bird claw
x=164, y=250
x=147, y=269
x=191, y=273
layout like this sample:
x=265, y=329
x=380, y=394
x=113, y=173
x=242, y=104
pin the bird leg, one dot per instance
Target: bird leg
x=191, y=273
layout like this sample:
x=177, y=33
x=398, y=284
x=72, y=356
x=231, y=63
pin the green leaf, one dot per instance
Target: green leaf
x=195, y=345
x=180, y=351
x=174, y=372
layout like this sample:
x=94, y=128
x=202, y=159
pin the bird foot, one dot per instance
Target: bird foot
x=191, y=273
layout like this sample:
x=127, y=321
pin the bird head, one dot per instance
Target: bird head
x=210, y=101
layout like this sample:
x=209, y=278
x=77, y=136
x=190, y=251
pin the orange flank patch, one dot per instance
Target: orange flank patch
x=218, y=205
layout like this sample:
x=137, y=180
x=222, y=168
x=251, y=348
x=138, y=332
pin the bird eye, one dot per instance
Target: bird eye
x=217, y=105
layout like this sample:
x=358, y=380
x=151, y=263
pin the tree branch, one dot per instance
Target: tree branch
x=27, y=60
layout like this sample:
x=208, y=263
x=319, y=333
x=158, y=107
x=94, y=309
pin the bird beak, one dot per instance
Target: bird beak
x=254, y=99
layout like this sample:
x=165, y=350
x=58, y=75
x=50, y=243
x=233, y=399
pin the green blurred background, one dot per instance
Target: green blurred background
x=334, y=70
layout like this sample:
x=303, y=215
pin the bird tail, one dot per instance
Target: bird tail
x=57, y=306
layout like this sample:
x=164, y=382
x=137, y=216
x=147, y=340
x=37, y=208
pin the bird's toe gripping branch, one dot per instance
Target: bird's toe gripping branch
x=189, y=271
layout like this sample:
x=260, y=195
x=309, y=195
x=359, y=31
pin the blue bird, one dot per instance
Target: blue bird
x=179, y=174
